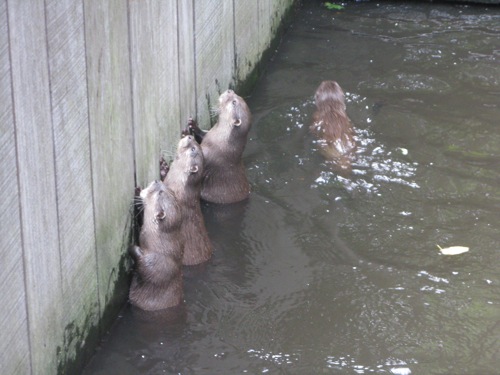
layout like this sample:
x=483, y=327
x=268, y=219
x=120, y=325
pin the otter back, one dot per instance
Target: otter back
x=331, y=126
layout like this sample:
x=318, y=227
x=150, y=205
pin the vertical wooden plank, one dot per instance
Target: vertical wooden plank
x=36, y=175
x=265, y=34
x=277, y=13
x=67, y=74
x=14, y=346
x=155, y=83
x=186, y=60
x=275, y=16
x=111, y=136
x=214, y=49
x=246, y=31
x=271, y=15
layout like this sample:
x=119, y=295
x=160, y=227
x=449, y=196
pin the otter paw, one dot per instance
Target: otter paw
x=164, y=168
x=193, y=126
x=135, y=252
x=195, y=130
x=192, y=123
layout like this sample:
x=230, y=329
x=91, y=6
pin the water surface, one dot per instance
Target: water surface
x=321, y=273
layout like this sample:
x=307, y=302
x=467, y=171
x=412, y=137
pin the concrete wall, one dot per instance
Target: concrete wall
x=91, y=93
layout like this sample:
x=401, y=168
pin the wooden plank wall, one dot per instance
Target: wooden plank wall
x=155, y=87
x=111, y=143
x=214, y=52
x=14, y=346
x=92, y=92
x=36, y=178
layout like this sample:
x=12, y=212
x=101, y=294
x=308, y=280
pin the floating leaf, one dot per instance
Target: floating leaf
x=404, y=151
x=453, y=250
x=332, y=6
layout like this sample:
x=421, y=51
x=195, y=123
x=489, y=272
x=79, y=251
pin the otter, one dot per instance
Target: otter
x=331, y=125
x=157, y=281
x=184, y=179
x=224, y=176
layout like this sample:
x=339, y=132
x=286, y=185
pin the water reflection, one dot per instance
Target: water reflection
x=321, y=273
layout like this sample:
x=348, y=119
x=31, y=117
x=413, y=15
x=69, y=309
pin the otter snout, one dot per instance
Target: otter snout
x=226, y=96
x=156, y=185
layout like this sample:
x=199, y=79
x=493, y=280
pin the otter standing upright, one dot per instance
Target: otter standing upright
x=331, y=125
x=184, y=179
x=224, y=177
x=157, y=281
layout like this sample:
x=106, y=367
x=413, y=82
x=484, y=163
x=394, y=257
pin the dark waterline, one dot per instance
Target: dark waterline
x=319, y=273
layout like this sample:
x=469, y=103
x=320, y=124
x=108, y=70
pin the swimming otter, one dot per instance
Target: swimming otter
x=331, y=126
x=224, y=177
x=157, y=281
x=184, y=179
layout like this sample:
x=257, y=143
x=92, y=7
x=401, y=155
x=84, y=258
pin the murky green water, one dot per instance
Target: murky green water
x=319, y=273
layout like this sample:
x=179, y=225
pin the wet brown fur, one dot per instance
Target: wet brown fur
x=331, y=125
x=224, y=176
x=184, y=179
x=157, y=281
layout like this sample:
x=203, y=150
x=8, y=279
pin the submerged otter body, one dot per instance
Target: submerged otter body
x=331, y=125
x=184, y=179
x=157, y=281
x=224, y=176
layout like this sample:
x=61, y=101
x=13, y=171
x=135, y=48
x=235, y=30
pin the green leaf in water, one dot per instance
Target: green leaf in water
x=333, y=6
x=453, y=250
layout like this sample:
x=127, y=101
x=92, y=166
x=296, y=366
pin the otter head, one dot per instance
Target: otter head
x=329, y=91
x=158, y=202
x=233, y=111
x=190, y=152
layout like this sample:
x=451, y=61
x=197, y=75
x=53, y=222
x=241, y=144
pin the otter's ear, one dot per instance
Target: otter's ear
x=160, y=215
x=237, y=122
x=193, y=169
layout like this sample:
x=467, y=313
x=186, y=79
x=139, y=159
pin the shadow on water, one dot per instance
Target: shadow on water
x=321, y=273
